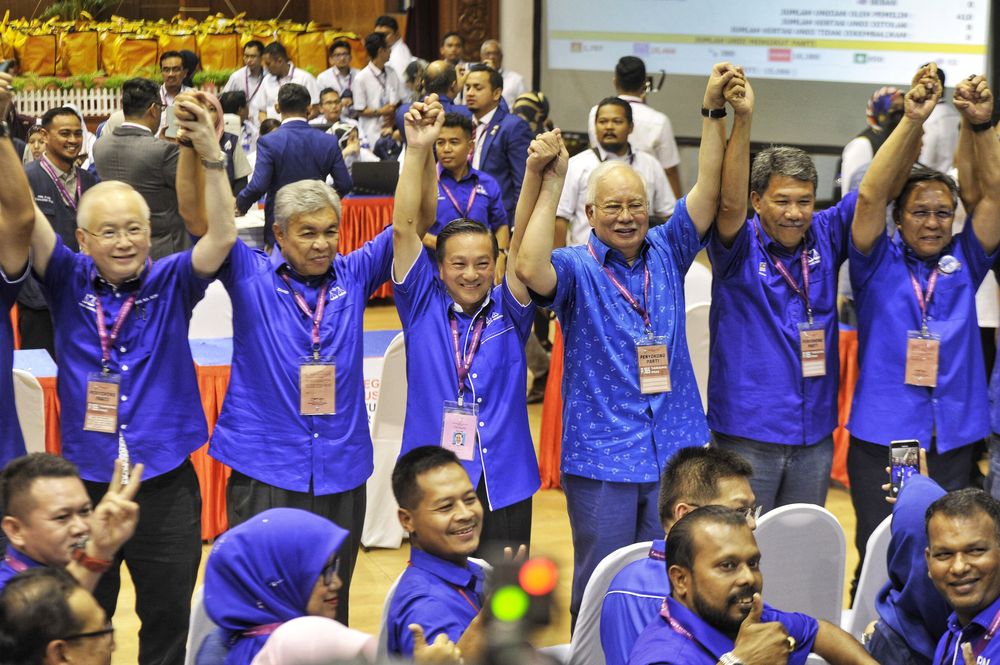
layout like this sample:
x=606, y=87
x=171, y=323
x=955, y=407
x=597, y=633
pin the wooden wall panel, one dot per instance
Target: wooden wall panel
x=475, y=20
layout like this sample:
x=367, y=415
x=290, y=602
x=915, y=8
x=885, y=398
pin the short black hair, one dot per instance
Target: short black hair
x=460, y=226
x=171, y=54
x=34, y=611
x=680, y=541
x=293, y=98
x=965, y=503
x=693, y=474
x=452, y=119
x=631, y=73
x=415, y=463
x=615, y=101
x=137, y=95
x=445, y=36
x=20, y=473
x=386, y=21
x=496, y=80
x=52, y=114
x=374, y=43
x=340, y=43
x=233, y=101
x=276, y=49
x=442, y=83
x=257, y=44
x=918, y=175
x=781, y=160
x=326, y=91
x=268, y=125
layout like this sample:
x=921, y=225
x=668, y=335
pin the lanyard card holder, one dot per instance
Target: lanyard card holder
x=654, y=366
x=317, y=386
x=458, y=429
x=922, y=349
x=812, y=349
x=102, y=402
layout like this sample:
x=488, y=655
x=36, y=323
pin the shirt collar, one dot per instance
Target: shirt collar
x=603, y=251
x=63, y=175
x=911, y=256
x=605, y=155
x=22, y=557
x=460, y=576
x=285, y=121
x=488, y=118
x=128, y=286
x=632, y=98
x=982, y=620
x=278, y=262
x=455, y=307
x=375, y=70
x=469, y=173
x=776, y=247
x=705, y=635
x=136, y=126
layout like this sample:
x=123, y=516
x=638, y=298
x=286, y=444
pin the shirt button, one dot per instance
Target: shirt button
x=479, y=399
x=124, y=398
x=122, y=349
x=484, y=451
x=482, y=424
x=475, y=376
x=315, y=435
x=124, y=368
x=124, y=426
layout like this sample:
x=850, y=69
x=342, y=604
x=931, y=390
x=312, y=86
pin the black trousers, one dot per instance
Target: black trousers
x=506, y=527
x=246, y=497
x=36, y=329
x=162, y=558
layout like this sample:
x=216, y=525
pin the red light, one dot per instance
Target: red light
x=538, y=576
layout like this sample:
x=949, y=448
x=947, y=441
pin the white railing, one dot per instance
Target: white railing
x=94, y=102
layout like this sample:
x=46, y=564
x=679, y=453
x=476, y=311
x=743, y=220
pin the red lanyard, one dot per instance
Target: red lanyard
x=625, y=292
x=464, y=366
x=924, y=300
x=317, y=316
x=265, y=629
x=16, y=565
x=246, y=84
x=102, y=329
x=63, y=192
x=461, y=592
x=800, y=292
x=454, y=202
x=674, y=623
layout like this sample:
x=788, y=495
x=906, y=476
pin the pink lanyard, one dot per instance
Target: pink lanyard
x=625, y=292
x=800, y=292
x=463, y=367
x=454, y=202
x=924, y=300
x=340, y=80
x=15, y=565
x=63, y=192
x=265, y=629
x=674, y=624
x=981, y=643
x=246, y=84
x=317, y=316
x=102, y=328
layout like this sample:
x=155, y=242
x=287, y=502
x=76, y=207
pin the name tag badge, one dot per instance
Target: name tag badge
x=922, y=358
x=654, y=367
x=102, y=403
x=317, y=386
x=812, y=349
x=458, y=429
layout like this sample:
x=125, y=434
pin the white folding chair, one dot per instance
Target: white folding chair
x=29, y=402
x=382, y=527
x=803, y=555
x=696, y=330
x=199, y=627
x=698, y=284
x=874, y=575
x=212, y=317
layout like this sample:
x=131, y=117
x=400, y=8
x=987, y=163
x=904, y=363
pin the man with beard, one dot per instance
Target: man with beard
x=715, y=613
x=614, y=125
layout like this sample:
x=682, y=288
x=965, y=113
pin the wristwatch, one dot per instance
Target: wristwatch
x=729, y=659
x=713, y=113
x=92, y=564
x=218, y=164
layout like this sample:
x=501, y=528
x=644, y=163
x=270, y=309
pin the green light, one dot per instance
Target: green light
x=510, y=603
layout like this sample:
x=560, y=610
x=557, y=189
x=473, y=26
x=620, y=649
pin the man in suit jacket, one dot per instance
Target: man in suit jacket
x=295, y=151
x=133, y=154
x=501, y=138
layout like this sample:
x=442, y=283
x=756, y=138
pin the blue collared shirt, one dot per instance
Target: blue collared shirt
x=11, y=442
x=994, y=387
x=487, y=208
x=634, y=598
x=7, y=571
x=611, y=431
x=754, y=323
x=495, y=384
x=884, y=407
x=949, y=649
x=260, y=432
x=159, y=409
x=660, y=644
x=441, y=596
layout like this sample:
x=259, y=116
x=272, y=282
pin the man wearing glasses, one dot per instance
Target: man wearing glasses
x=340, y=76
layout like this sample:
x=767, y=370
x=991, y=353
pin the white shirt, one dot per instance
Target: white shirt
x=854, y=161
x=513, y=86
x=400, y=57
x=373, y=89
x=479, y=134
x=168, y=100
x=572, y=202
x=940, y=137
x=652, y=132
x=332, y=78
x=243, y=81
x=268, y=95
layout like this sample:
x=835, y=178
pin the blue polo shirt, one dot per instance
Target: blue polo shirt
x=495, y=384
x=159, y=410
x=260, y=432
x=7, y=571
x=11, y=442
x=659, y=644
x=949, y=649
x=884, y=407
x=755, y=344
x=994, y=387
x=634, y=598
x=439, y=595
x=486, y=208
x=611, y=431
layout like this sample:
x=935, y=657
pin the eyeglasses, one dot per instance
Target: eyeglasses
x=171, y=70
x=330, y=570
x=615, y=209
x=109, y=630
x=342, y=55
x=132, y=233
x=924, y=215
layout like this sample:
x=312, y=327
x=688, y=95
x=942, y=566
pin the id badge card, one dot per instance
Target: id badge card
x=317, y=386
x=654, y=367
x=812, y=350
x=458, y=429
x=922, y=358
x=101, y=414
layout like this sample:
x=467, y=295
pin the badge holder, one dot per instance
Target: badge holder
x=458, y=429
x=812, y=349
x=654, y=366
x=922, y=349
x=317, y=385
x=102, y=402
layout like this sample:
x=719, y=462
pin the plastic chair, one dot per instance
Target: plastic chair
x=874, y=575
x=382, y=527
x=698, y=284
x=29, y=401
x=199, y=627
x=212, y=317
x=803, y=555
x=698, y=339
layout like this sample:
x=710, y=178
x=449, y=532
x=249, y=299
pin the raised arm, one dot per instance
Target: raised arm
x=212, y=248
x=736, y=165
x=422, y=125
x=17, y=208
x=898, y=152
x=974, y=100
x=191, y=192
x=531, y=249
x=703, y=200
x=968, y=182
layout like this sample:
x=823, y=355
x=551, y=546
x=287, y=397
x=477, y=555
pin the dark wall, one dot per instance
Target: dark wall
x=297, y=10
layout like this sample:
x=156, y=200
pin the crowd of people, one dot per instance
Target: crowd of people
x=108, y=244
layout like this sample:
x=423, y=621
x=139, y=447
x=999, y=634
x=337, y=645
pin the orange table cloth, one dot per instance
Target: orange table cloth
x=363, y=218
x=550, y=446
x=213, y=380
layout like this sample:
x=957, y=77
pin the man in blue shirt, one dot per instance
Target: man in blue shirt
x=963, y=560
x=455, y=312
x=773, y=320
x=694, y=477
x=919, y=348
x=715, y=613
x=620, y=299
x=441, y=591
x=126, y=377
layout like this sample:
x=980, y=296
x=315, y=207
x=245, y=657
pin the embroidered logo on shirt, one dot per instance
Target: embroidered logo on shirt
x=89, y=302
x=814, y=258
x=762, y=268
x=43, y=198
x=495, y=316
x=337, y=292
